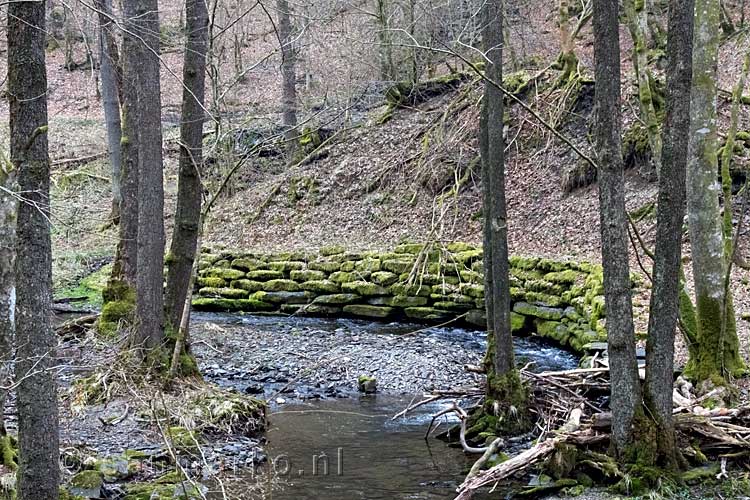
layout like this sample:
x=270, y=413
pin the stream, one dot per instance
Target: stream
x=325, y=440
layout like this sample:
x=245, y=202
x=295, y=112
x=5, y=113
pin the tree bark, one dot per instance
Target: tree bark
x=150, y=233
x=717, y=354
x=289, y=78
x=8, y=217
x=664, y=307
x=38, y=441
x=189, y=192
x=126, y=260
x=505, y=392
x=385, y=50
x=625, y=388
x=111, y=79
x=637, y=16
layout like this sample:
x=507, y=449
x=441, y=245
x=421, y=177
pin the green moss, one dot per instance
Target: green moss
x=458, y=247
x=467, y=257
x=368, y=265
x=247, y=285
x=247, y=264
x=263, y=275
x=230, y=305
x=368, y=311
x=227, y=293
x=404, y=289
x=337, y=299
x=364, y=288
x=566, y=277
x=541, y=312
x=321, y=286
x=325, y=266
x=398, y=266
x=307, y=275
x=224, y=273
x=472, y=290
x=332, y=250
x=210, y=282
x=384, y=278
x=404, y=301
x=409, y=248
x=286, y=266
x=281, y=285
x=428, y=314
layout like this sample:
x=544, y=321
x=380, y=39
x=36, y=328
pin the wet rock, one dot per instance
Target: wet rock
x=541, y=312
x=87, y=484
x=336, y=299
x=368, y=311
x=367, y=384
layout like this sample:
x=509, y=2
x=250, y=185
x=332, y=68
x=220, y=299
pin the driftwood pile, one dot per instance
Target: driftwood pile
x=569, y=405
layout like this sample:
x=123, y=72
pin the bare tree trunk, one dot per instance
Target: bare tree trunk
x=8, y=217
x=38, y=438
x=568, y=61
x=385, y=49
x=664, y=308
x=504, y=390
x=717, y=354
x=144, y=16
x=637, y=16
x=625, y=391
x=111, y=79
x=187, y=218
x=289, y=78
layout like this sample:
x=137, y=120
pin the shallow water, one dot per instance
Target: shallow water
x=369, y=456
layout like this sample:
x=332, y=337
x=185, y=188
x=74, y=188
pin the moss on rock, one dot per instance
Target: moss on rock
x=230, y=305
x=281, y=285
x=286, y=266
x=336, y=299
x=472, y=290
x=248, y=264
x=321, y=286
x=542, y=312
x=368, y=311
x=223, y=273
x=428, y=313
x=398, y=266
x=331, y=250
x=264, y=275
x=307, y=275
x=211, y=282
x=384, y=278
x=364, y=288
x=247, y=285
x=324, y=265
x=418, y=289
x=404, y=301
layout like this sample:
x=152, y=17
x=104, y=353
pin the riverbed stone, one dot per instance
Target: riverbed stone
x=264, y=275
x=364, y=288
x=223, y=273
x=368, y=311
x=384, y=278
x=337, y=299
x=281, y=285
x=249, y=285
x=321, y=286
x=428, y=313
x=542, y=312
x=307, y=275
x=86, y=484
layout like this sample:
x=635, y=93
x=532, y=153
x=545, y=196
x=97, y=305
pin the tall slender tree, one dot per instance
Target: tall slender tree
x=288, y=76
x=111, y=78
x=189, y=191
x=625, y=396
x=504, y=388
x=8, y=217
x=718, y=345
x=143, y=16
x=36, y=403
x=670, y=212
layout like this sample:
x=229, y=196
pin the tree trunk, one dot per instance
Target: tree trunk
x=126, y=260
x=8, y=216
x=625, y=391
x=189, y=192
x=150, y=252
x=289, y=78
x=38, y=441
x=568, y=61
x=664, y=308
x=637, y=17
x=504, y=390
x=111, y=79
x=717, y=354
x=385, y=49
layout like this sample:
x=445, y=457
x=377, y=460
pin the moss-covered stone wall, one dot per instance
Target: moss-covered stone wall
x=562, y=300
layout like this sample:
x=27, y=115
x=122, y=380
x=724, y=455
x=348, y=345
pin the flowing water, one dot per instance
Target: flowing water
x=350, y=448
